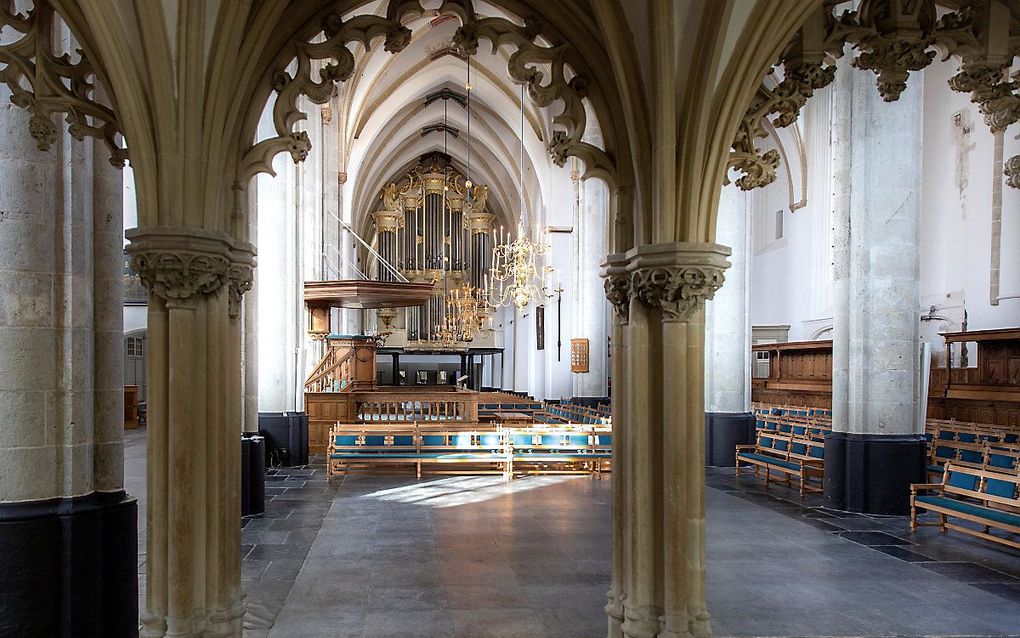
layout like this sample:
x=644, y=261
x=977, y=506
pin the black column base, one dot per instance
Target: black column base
x=723, y=432
x=872, y=473
x=70, y=567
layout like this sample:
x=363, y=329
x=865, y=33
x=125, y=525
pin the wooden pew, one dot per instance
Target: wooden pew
x=786, y=454
x=997, y=496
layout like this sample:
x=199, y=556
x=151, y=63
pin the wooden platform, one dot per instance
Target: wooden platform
x=361, y=294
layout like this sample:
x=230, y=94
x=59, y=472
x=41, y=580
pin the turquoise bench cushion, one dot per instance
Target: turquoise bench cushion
x=433, y=440
x=463, y=440
x=403, y=440
x=817, y=451
x=999, y=487
x=971, y=508
x=966, y=437
x=971, y=456
x=1002, y=460
x=344, y=439
x=549, y=457
x=489, y=440
x=522, y=440
x=943, y=452
x=578, y=440
x=770, y=460
x=374, y=455
x=935, y=469
x=963, y=481
x=375, y=441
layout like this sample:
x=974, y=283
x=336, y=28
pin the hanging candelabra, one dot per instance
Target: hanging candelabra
x=517, y=276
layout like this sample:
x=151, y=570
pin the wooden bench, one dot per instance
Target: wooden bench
x=556, y=450
x=423, y=447
x=469, y=448
x=787, y=454
x=990, y=499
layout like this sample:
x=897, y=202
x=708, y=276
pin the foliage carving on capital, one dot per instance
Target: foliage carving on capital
x=617, y=287
x=241, y=279
x=677, y=290
x=177, y=276
x=46, y=81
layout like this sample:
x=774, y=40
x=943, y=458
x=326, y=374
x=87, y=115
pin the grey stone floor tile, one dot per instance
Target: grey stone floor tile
x=410, y=624
x=397, y=557
x=496, y=623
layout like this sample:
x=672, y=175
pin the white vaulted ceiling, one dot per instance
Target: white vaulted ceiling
x=382, y=111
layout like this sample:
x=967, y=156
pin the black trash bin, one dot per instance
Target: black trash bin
x=253, y=474
x=298, y=438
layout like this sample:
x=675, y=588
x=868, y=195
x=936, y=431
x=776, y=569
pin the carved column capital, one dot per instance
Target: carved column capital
x=675, y=278
x=617, y=285
x=179, y=264
x=241, y=279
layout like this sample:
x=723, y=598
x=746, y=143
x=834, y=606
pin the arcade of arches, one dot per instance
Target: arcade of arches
x=639, y=319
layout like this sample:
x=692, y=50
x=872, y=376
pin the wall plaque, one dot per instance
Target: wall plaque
x=579, y=355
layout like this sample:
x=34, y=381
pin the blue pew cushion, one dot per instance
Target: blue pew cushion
x=771, y=460
x=971, y=508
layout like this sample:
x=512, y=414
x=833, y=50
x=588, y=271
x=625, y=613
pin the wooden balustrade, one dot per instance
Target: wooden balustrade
x=440, y=404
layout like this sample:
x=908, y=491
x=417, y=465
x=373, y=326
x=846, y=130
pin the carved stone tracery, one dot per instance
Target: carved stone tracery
x=892, y=38
x=45, y=81
x=337, y=64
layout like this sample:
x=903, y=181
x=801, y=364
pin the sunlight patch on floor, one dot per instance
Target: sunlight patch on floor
x=460, y=490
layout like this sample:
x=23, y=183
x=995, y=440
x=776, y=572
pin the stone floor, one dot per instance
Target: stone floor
x=472, y=556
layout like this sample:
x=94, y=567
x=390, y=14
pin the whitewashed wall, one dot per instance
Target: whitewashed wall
x=790, y=277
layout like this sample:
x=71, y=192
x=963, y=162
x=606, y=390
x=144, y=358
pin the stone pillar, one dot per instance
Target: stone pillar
x=728, y=418
x=589, y=319
x=196, y=279
x=68, y=531
x=658, y=292
x=876, y=449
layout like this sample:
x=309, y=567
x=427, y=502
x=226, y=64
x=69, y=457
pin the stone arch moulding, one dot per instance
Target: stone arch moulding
x=338, y=64
x=893, y=38
x=45, y=80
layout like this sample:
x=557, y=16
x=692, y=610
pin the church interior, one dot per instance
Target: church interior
x=509, y=318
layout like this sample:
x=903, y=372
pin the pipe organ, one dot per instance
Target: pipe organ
x=434, y=227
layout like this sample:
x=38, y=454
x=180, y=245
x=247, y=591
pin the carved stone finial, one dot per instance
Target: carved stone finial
x=241, y=278
x=397, y=39
x=1012, y=171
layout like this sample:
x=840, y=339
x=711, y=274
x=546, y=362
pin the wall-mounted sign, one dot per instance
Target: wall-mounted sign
x=579, y=355
x=540, y=327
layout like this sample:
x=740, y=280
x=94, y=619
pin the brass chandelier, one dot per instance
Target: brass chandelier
x=517, y=275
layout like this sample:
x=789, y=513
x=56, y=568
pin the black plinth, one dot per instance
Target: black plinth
x=723, y=432
x=286, y=436
x=70, y=567
x=872, y=473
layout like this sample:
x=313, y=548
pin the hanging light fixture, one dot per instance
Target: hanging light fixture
x=516, y=275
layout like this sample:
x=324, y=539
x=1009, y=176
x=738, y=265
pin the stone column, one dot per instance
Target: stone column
x=196, y=279
x=589, y=319
x=876, y=449
x=658, y=291
x=728, y=418
x=68, y=531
